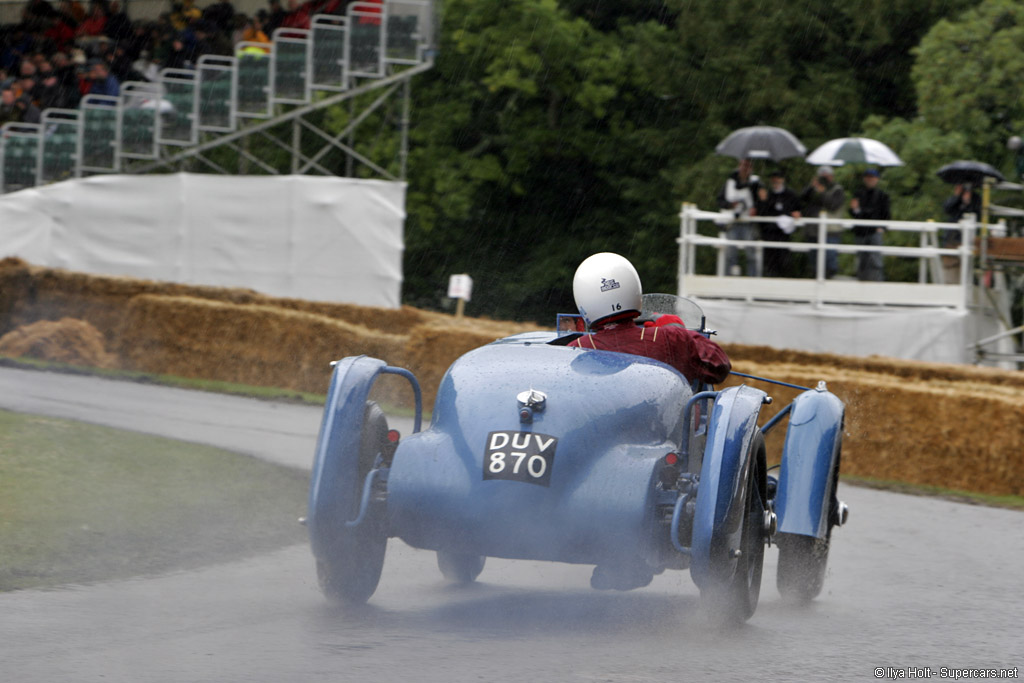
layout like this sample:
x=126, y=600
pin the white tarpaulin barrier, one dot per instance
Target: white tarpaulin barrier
x=314, y=238
x=940, y=335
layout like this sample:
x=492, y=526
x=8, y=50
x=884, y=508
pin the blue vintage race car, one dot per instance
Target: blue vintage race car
x=541, y=451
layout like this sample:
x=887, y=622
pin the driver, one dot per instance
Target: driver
x=608, y=293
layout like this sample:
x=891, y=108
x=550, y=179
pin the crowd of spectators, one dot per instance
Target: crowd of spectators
x=60, y=52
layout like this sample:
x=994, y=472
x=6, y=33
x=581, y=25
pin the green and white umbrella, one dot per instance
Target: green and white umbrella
x=854, y=151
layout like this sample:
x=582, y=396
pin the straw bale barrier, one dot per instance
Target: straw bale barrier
x=251, y=344
x=923, y=423
x=952, y=431
x=30, y=293
x=66, y=341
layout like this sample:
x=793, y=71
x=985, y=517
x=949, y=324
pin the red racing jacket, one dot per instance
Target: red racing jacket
x=689, y=352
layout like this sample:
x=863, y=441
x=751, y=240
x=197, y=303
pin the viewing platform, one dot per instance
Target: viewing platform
x=956, y=310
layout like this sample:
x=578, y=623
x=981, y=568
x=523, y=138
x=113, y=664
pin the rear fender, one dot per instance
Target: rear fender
x=723, y=480
x=809, y=459
x=334, y=492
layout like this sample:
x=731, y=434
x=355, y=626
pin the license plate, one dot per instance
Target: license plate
x=520, y=456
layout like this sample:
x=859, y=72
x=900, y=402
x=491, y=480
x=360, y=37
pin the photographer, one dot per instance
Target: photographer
x=963, y=201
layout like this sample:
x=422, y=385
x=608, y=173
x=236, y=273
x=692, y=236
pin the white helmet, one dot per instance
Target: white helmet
x=606, y=285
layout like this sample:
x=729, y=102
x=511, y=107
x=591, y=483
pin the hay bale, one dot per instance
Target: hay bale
x=906, y=420
x=250, y=344
x=919, y=431
x=431, y=348
x=30, y=293
x=67, y=340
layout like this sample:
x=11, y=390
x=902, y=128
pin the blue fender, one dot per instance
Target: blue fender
x=809, y=460
x=723, y=480
x=334, y=493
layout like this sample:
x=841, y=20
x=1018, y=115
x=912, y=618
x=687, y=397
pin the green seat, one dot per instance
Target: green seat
x=364, y=48
x=138, y=132
x=253, y=83
x=59, y=150
x=215, y=100
x=328, y=53
x=402, y=43
x=290, y=71
x=20, y=161
x=98, y=138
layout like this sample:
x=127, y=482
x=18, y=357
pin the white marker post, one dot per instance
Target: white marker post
x=460, y=287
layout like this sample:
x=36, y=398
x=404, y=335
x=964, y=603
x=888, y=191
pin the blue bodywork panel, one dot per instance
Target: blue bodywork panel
x=614, y=417
x=334, y=490
x=723, y=478
x=808, y=464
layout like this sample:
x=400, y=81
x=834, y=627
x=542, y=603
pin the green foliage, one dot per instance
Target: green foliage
x=967, y=75
x=549, y=130
x=917, y=192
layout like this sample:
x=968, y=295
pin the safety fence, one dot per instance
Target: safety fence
x=220, y=95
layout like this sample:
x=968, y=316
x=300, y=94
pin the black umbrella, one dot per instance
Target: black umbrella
x=968, y=172
x=761, y=142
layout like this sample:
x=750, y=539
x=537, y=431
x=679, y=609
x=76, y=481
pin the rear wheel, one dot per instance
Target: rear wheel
x=802, y=564
x=733, y=599
x=803, y=560
x=459, y=567
x=350, y=569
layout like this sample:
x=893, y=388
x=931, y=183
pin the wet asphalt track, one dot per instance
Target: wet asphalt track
x=913, y=582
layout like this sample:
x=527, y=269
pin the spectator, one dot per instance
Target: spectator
x=60, y=32
x=275, y=18
x=179, y=55
x=51, y=93
x=8, y=111
x=94, y=22
x=737, y=197
x=221, y=17
x=119, y=27
x=72, y=12
x=211, y=41
x=871, y=203
x=101, y=81
x=26, y=80
x=184, y=13
x=824, y=196
x=36, y=10
x=777, y=200
x=67, y=79
x=962, y=202
x=25, y=87
x=253, y=32
x=18, y=44
x=29, y=112
x=122, y=65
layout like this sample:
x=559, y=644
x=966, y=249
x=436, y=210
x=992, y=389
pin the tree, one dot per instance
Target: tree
x=967, y=76
x=549, y=131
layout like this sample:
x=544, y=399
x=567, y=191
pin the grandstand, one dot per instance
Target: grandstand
x=173, y=123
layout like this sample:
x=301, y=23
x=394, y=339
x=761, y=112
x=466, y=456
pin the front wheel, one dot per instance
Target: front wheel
x=350, y=569
x=732, y=600
x=459, y=567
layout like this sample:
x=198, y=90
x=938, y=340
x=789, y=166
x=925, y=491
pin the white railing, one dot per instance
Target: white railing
x=931, y=289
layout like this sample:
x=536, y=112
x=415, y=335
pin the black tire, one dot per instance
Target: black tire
x=350, y=570
x=458, y=567
x=733, y=599
x=803, y=560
